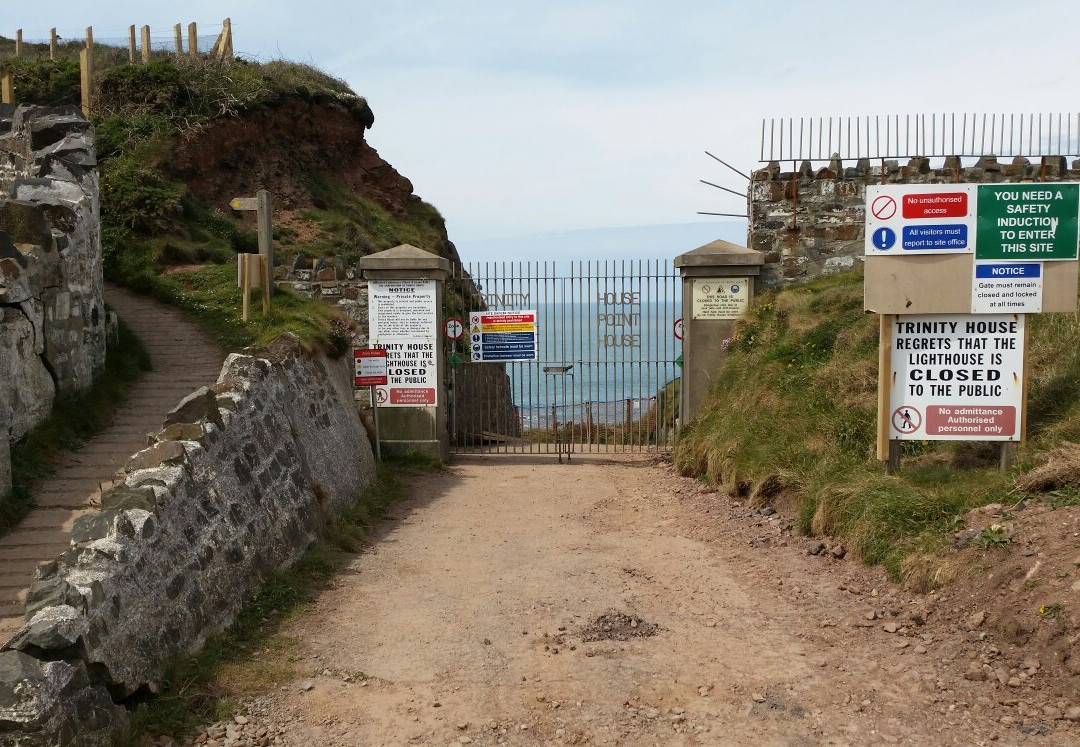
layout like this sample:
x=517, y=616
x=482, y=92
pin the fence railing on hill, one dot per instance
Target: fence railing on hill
x=133, y=49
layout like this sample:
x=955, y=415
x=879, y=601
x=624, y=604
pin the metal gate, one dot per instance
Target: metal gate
x=605, y=373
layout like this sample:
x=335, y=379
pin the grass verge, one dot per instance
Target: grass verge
x=251, y=656
x=791, y=418
x=210, y=297
x=73, y=421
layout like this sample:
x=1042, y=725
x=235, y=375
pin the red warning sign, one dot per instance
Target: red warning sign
x=883, y=207
x=412, y=396
x=936, y=205
x=906, y=419
x=972, y=421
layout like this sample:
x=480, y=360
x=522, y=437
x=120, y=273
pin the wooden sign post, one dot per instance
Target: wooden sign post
x=263, y=206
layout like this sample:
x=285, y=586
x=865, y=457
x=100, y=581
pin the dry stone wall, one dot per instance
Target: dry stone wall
x=810, y=222
x=52, y=319
x=239, y=481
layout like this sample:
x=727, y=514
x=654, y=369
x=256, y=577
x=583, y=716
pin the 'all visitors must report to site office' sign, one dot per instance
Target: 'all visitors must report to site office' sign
x=957, y=377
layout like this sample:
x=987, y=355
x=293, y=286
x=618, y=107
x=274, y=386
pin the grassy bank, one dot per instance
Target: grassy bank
x=74, y=420
x=251, y=656
x=791, y=421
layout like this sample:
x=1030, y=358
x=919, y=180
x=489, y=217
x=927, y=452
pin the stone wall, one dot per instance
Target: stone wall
x=239, y=481
x=810, y=223
x=52, y=321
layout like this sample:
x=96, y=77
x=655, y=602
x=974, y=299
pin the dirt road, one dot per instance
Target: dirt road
x=515, y=600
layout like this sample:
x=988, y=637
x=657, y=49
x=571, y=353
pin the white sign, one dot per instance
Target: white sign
x=402, y=320
x=1012, y=287
x=499, y=336
x=913, y=219
x=720, y=298
x=957, y=377
x=401, y=308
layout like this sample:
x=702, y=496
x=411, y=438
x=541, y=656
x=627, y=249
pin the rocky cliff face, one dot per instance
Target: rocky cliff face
x=52, y=320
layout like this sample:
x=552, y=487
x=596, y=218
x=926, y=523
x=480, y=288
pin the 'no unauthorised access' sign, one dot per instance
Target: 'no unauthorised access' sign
x=957, y=377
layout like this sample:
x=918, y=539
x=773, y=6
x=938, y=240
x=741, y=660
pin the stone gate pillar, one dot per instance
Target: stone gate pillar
x=407, y=420
x=717, y=287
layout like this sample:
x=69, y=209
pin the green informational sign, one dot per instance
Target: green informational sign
x=1029, y=222
x=678, y=361
x=455, y=360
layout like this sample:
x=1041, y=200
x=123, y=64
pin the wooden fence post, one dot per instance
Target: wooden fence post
x=86, y=70
x=131, y=44
x=18, y=43
x=7, y=89
x=178, y=39
x=145, y=44
x=223, y=47
x=192, y=40
x=54, y=45
x=85, y=78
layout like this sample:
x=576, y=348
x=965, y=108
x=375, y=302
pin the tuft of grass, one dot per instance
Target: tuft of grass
x=74, y=420
x=251, y=656
x=793, y=411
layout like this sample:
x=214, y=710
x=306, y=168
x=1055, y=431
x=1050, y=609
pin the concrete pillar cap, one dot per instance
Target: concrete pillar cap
x=720, y=252
x=405, y=257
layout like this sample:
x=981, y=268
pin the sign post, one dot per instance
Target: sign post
x=371, y=372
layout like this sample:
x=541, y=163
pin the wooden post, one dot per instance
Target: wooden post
x=193, y=40
x=884, y=392
x=7, y=89
x=893, y=465
x=145, y=44
x=266, y=280
x=54, y=45
x=265, y=218
x=1024, y=386
x=223, y=47
x=90, y=38
x=245, y=285
x=18, y=43
x=86, y=77
x=131, y=44
x=178, y=38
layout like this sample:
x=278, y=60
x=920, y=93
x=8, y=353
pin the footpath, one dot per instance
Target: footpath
x=183, y=359
x=514, y=600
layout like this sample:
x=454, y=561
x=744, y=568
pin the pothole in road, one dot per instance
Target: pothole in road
x=618, y=626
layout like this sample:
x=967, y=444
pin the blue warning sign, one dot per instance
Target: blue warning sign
x=884, y=238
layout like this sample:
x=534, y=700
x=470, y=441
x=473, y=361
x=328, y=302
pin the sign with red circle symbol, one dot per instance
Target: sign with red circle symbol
x=678, y=329
x=906, y=419
x=454, y=328
x=883, y=207
x=381, y=395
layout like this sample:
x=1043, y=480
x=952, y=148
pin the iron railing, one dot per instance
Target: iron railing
x=932, y=135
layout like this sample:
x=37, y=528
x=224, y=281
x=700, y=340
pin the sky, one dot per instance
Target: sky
x=566, y=116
